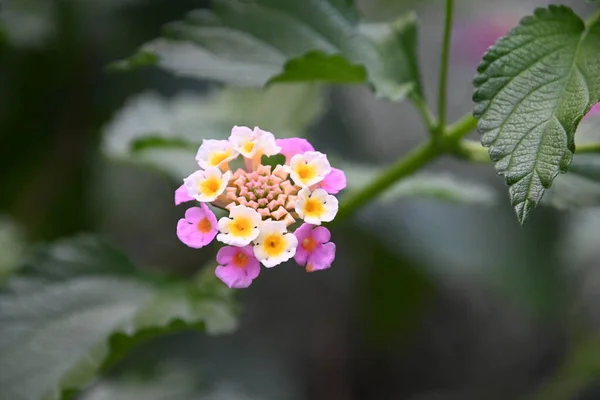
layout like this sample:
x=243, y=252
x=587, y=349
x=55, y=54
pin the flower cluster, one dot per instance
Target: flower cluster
x=275, y=213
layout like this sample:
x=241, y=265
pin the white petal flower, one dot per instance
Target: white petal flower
x=316, y=207
x=266, y=143
x=274, y=245
x=250, y=143
x=206, y=186
x=309, y=168
x=241, y=228
x=214, y=153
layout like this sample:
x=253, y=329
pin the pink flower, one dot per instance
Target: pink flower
x=198, y=228
x=314, y=248
x=182, y=196
x=292, y=146
x=334, y=182
x=238, y=266
x=595, y=110
x=472, y=39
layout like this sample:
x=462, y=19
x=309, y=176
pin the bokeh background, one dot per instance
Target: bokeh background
x=427, y=300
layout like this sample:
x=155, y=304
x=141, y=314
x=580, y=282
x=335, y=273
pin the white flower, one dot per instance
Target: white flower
x=213, y=153
x=316, y=207
x=250, y=143
x=309, y=168
x=274, y=245
x=241, y=228
x=206, y=186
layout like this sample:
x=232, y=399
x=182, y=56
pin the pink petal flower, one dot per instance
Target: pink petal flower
x=472, y=39
x=198, y=228
x=595, y=110
x=334, y=182
x=314, y=250
x=292, y=146
x=182, y=196
x=238, y=266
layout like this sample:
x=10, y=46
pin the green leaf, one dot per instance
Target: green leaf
x=533, y=88
x=165, y=133
x=250, y=43
x=424, y=185
x=317, y=66
x=77, y=306
x=580, y=187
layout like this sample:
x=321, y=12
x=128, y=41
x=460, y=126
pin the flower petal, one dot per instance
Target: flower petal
x=233, y=277
x=321, y=258
x=334, y=182
x=292, y=146
x=182, y=196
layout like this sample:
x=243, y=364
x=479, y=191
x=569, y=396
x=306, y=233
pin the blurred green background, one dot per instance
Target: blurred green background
x=427, y=300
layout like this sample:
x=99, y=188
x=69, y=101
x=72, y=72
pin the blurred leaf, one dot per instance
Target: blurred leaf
x=533, y=88
x=165, y=133
x=440, y=187
x=79, y=305
x=172, y=382
x=580, y=187
x=317, y=66
x=249, y=43
x=12, y=247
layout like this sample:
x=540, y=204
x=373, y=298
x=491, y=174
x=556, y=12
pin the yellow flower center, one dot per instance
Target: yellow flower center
x=217, y=157
x=240, y=260
x=204, y=225
x=210, y=186
x=248, y=147
x=306, y=172
x=314, y=208
x=240, y=227
x=274, y=245
x=309, y=244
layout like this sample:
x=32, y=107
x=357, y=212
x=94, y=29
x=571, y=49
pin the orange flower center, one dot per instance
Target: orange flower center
x=240, y=260
x=204, y=225
x=309, y=244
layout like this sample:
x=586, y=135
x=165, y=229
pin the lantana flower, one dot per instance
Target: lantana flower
x=314, y=251
x=274, y=213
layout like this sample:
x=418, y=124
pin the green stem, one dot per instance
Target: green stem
x=587, y=148
x=425, y=112
x=444, y=67
x=461, y=128
x=407, y=165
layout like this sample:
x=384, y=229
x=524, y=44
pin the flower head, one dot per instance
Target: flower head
x=240, y=228
x=198, y=228
x=215, y=153
x=309, y=168
x=274, y=245
x=264, y=204
x=237, y=266
x=314, y=251
x=207, y=185
x=317, y=206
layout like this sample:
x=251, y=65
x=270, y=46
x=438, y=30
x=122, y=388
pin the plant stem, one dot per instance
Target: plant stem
x=472, y=151
x=407, y=165
x=587, y=148
x=425, y=112
x=461, y=128
x=443, y=84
